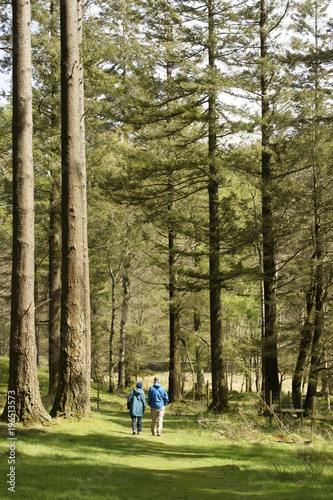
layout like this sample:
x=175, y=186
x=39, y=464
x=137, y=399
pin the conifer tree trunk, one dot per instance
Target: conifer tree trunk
x=175, y=375
x=72, y=396
x=219, y=386
x=54, y=287
x=262, y=300
x=55, y=227
x=316, y=351
x=23, y=380
x=305, y=344
x=199, y=350
x=198, y=357
x=84, y=205
x=112, y=332
x=37, y=333
x=312, y=338
x=175, y=368
x=270, y=362
x=319, y=295
x=123, y=322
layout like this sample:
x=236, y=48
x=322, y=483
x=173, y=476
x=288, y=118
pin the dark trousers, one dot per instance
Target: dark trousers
x=139, y=423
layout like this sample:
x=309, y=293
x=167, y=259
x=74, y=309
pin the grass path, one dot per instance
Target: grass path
x=99, y=458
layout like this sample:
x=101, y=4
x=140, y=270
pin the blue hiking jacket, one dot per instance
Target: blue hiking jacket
x=136, y=402
x=157, y=396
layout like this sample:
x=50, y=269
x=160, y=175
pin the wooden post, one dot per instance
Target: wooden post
x=301, y=406
x=270, y=408
x=98, y=397
x=313, y=416
x=207, y=391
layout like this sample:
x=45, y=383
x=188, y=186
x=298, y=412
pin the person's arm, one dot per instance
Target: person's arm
x=129, y=400
x=165, y=398
x=149, y=397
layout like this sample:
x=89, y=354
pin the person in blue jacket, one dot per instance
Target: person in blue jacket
x=136, y=403
x=157, y=400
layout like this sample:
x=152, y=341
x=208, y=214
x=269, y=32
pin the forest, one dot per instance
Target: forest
x=166, y=170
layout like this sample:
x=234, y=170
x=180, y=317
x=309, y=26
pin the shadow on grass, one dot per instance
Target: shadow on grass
x=60, y=465
x=72, y=479
x=170, y=423
x=93, y=463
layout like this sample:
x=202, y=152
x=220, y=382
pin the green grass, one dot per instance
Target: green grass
x=100, y=458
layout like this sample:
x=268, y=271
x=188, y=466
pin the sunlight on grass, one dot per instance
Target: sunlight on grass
x=98, y=457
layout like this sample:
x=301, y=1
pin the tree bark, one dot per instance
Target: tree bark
x=84, y=205
x=260, y=356
x=219, y=386
x=175, y=367
x=37, y=336
x=123, y=322
x=112, y=332
x=270, y=362
x=316, y=352
x=320, y=297
x=54, y=287
x=55, y=226
x=198, y=357
x=23, y=380
x=320, y=292
x=305, y=345
x=175, y=372
x=72, y=396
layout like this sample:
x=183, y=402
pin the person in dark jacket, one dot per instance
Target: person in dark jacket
x=157, y=400
x=136, y=403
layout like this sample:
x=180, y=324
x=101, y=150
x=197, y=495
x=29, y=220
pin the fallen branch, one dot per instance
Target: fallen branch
x=245, y=421
x=280, y=425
